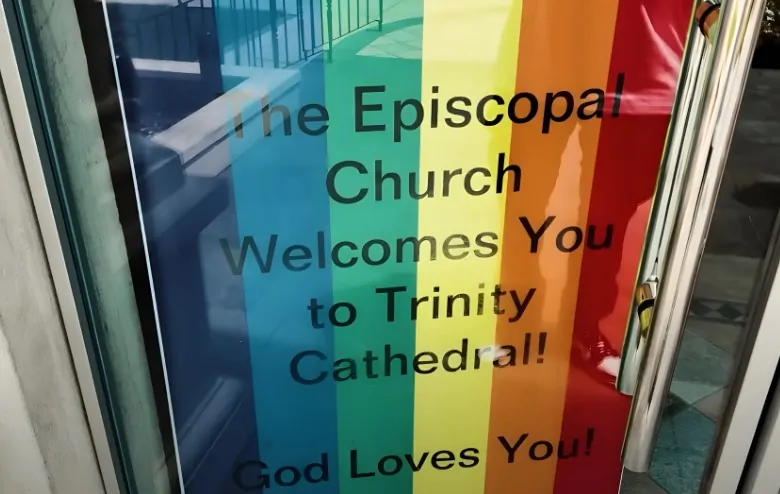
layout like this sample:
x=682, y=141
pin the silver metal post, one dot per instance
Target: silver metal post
x=666, y=202
x=740, y=20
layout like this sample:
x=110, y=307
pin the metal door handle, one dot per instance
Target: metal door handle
x=711, y=132
x=637, y=336
x=645, y=304
x=645, y=301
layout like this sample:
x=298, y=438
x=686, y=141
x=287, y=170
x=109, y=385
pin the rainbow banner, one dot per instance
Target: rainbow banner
x=434, y=225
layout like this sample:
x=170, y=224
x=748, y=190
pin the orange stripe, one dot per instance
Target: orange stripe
x=564, y=45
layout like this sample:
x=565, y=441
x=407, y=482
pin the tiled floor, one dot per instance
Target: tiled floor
x=702, y=369
x=730, y=268
x=710, y=345
x=681, y=453
x=634, y=483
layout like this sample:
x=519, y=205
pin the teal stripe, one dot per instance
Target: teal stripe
x=375, y=415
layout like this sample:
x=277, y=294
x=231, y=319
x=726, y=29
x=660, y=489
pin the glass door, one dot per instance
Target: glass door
x=725, y=366
x=368, y=246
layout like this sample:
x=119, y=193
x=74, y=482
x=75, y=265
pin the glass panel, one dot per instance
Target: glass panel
x=80, y=119
x=359, y=245
x=737, y=244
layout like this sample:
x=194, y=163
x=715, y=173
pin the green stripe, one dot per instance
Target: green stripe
x=375, y=416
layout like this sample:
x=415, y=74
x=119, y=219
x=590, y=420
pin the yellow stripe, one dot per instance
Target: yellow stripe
x=463, y=55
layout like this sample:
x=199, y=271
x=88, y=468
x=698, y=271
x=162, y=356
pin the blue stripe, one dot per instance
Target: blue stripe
x=279, y=189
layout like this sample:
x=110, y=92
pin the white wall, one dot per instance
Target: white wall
x=87, y=163
x=45, y=444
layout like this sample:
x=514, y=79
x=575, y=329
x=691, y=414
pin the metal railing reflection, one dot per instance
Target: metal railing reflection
x=252, y=33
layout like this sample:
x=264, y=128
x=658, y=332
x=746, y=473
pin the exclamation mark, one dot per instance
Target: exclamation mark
x=527, y=349
x=589, y=441
x=542, y=346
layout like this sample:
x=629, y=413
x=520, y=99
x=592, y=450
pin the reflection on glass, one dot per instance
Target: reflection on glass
x=737, y=243
x=320, y=225
x=393, y=244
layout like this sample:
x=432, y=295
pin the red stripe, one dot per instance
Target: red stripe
x=627, y=163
